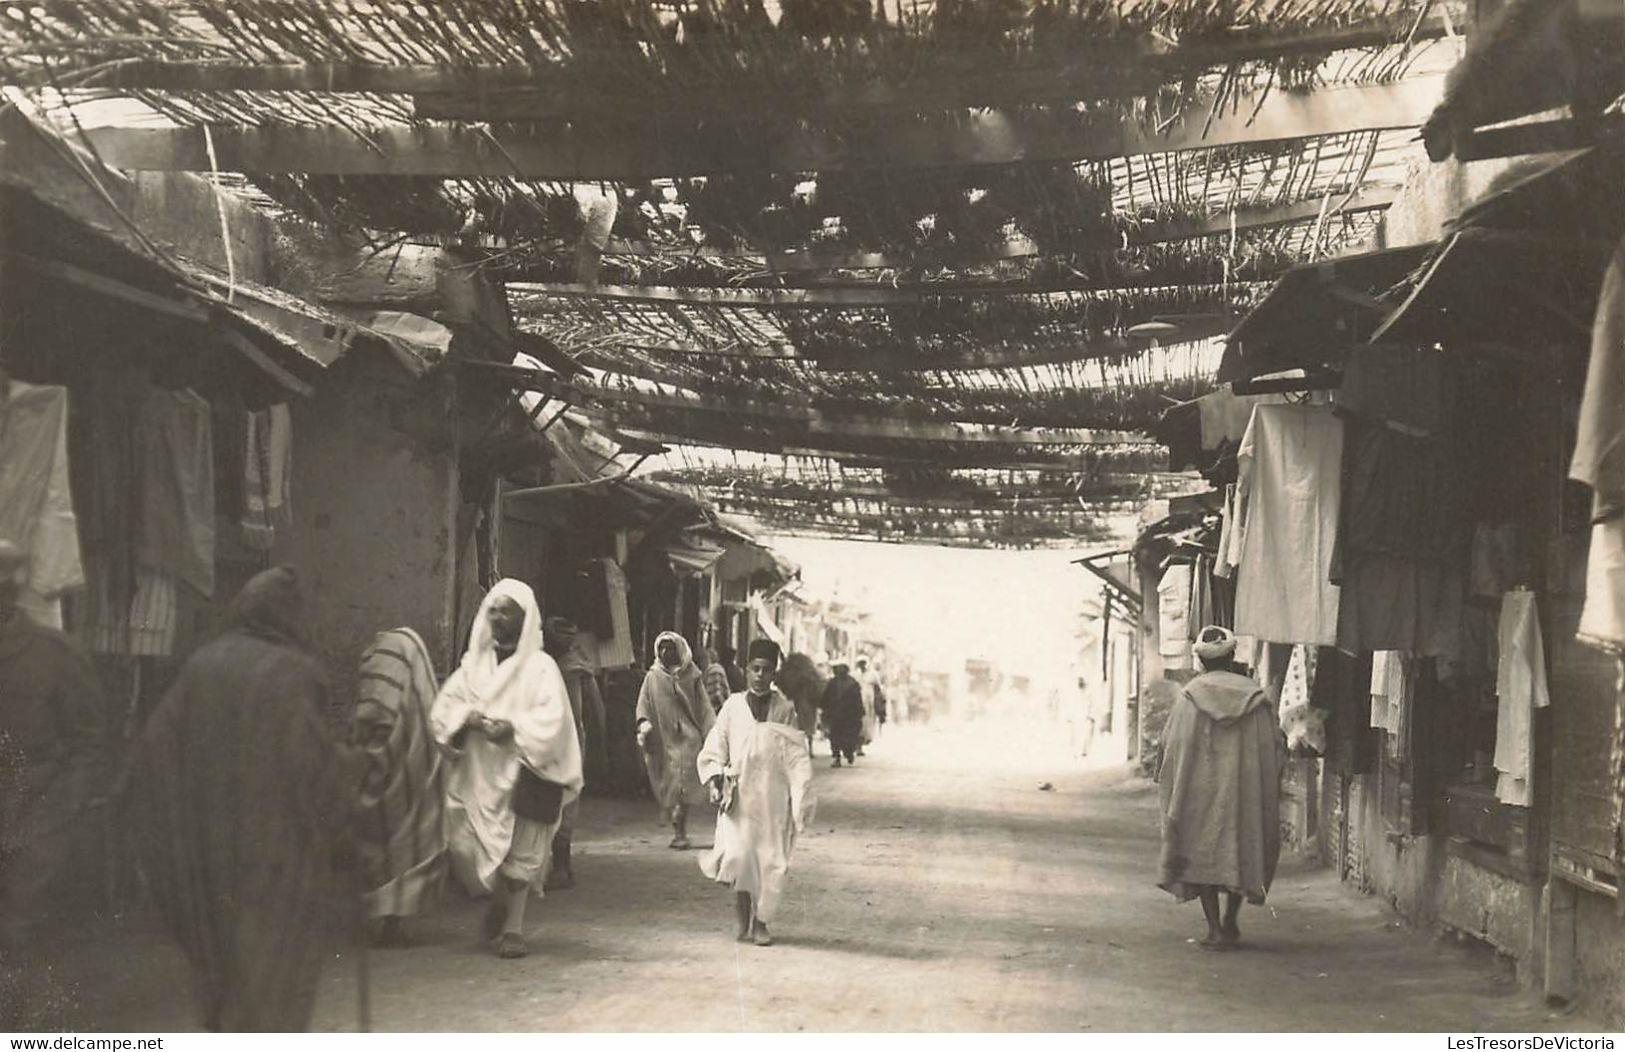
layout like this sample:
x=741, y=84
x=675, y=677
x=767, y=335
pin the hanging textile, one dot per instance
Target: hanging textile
x=1201, y=612
x=1341, y=688
x=1520, y=687
x=616, y=650
x=1391, y=698
x=36, y=498
x=267, y=476
x=1398, y=553
x=1599, y=447
x=1173, y=616
x=1225, y=414
x=175, y=450
x=1288, y=490
x=1304, y=725
x=1223, y=565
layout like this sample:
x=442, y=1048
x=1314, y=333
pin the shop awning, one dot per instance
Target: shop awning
x=1575, y=192
x=1501, y=287
x=1317, y=312
x=691, y=559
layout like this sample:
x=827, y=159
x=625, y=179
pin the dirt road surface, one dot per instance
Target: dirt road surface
x=939, y=889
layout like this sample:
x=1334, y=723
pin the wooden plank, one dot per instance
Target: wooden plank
x=520, y=91
x=603, y=151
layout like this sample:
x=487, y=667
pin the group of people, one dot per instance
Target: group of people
x=258, y=829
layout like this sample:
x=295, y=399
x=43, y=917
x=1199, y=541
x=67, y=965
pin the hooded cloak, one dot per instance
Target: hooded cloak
x=1220, y=789
x=675, y=705
x=239, y=795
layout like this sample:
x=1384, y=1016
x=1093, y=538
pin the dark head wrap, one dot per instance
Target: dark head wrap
x=764, y=650
x=271, y=605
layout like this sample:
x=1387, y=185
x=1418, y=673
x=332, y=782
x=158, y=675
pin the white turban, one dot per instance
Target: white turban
x=1214, y=643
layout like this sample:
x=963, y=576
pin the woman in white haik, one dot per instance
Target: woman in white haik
x=506, y=709
x=756, y=767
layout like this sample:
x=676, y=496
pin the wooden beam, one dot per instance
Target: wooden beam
x=520, y=91
x=1106, y=73
x=872, y=454
x=809, y=421
x=605, y=151
x=820, y=298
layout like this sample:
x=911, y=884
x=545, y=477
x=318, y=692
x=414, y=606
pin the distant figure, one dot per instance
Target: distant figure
x=869, y=682
x=674, y=717
x=798, y=678
x=757, y=771
x=52, y=728
x=842, y=708
x=1220, y=791
x=730, y=665
x=240, y=799
x=504, y=716
x=561, y=641
x=401, y=817
x=880, y=709
x=715, y=682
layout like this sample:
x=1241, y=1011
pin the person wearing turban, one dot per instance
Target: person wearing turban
x=756, y=767
x=1219, y=787
x=504, y=719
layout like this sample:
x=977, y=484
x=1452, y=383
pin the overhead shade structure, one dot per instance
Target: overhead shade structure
x=1316, y=312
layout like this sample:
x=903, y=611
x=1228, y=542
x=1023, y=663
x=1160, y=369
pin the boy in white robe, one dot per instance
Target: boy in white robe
x=756, y=767
x=505, y=710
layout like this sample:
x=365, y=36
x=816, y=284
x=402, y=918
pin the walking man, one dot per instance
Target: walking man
x=756, y=768
x=242, y=801
x=842, y=707
x=505, y=718
x=1220, y=791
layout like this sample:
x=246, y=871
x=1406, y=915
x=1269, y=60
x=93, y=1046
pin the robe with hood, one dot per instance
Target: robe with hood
x=528, y=691
x=675, y=705
x=1219, y=785
x=766, y=762
x=239, y=796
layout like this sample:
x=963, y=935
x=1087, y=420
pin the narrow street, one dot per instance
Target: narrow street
x=934, y=893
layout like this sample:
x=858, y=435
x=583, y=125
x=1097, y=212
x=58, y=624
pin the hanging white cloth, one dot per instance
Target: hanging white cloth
x=1520, y=686
x=1288, y=492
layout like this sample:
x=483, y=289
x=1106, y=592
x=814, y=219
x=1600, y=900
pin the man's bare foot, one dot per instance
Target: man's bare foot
x=1230, y=933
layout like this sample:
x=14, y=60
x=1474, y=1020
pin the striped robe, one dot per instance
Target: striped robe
x=401, y=816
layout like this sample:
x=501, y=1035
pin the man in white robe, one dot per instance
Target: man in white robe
x=756, y=767
x=504, y=718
